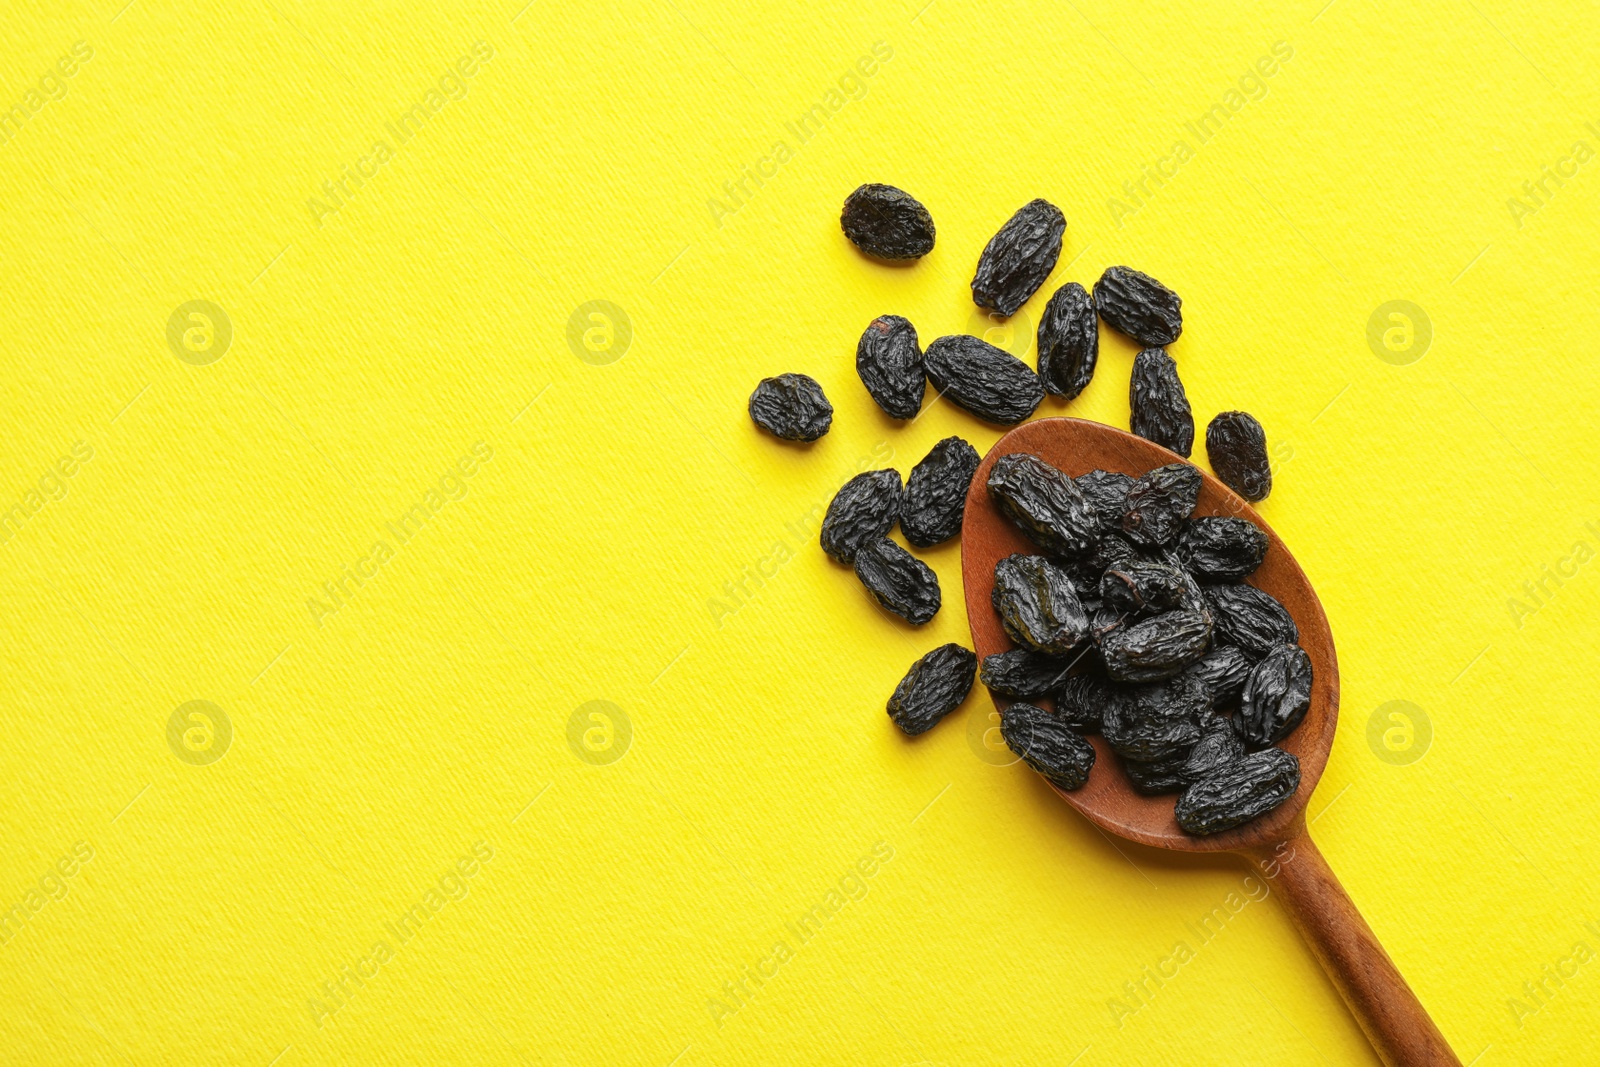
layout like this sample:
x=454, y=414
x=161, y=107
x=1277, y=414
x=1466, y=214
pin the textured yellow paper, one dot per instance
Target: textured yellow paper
x=546, y=733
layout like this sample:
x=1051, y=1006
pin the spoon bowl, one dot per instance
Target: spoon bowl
x=1276, y=844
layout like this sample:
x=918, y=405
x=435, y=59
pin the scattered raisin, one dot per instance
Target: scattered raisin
x=1239, y=792
x=1277, y=695
x=1159, y=502
x=1038, y=605
x=888, y=223
x=1219, y=548
x=791, y=406
x=1069, y=341
x=1046, y=504
x=1245, y=616
x=934, y=687
x=1047, y=744
x=1139, y=306
x=899, y=581
x=1160, y=407
x=987, y=381
x=1019, y=258
x=864, y=510
x=889, y=361
x=1237, y=447
x=936, y=493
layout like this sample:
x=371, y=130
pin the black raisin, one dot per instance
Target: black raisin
x=1218, y=747
x=1245, y=616
x=1224, y=670
x=864, y=510
x=1023, y=674
x=1140, y=586
x=1276, y=696
x=899, y=581
x=1107, y=495
x=791, y=406
x=1038, y=604
x=936, y=493
x=1045, y=503
x=1237, y=447
x=1047, y=744
x=1160, y=407
x=1158, y=722
x=1069, y=341
x=1217, y=548
x=987, y=381
x=1019, y=258
x=888, y=223
x=934, y=687
x=1239, y=792
x=1083, y=699
x=1157, y=648
x=1155, y=779
x=1139, y=306
x=889, y=361
x=1159, y=502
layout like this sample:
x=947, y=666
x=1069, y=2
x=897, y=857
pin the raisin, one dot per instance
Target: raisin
x=1112, y=550
x=934, y=687
x=1069, y=341
x=1157, y=648
x=1023, y=674
x=1155, y=779
x=889, y=361
x=1047, y=744
x=1245, y=616
x=1107, y=495
x=1221, y=549
x=888, y=223
x=1160, y=407
x=899, y=581
x=1277, y=695
x=791, y=406
x=864, y=510
x=1224, y=670
x=1045, y=503
x=987, y=381
x=1237, y=447
x=1218, y=747
x=1038, y=605
x=936, y=493
x=1139, y=306
x=1139, y=586
x=1159, y=503
x=1239, y=792
x=1019, y=258
x=1082, y=701
x=1158, y=722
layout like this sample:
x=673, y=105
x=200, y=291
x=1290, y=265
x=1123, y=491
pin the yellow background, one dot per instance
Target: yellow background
x=373, y=346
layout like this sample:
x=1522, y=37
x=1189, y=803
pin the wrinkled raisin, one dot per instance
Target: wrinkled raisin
x=1224, y=670
x=1023, y=674
x=864, y=510
x=899, y=581
x=1239, y=792
x=1219, y=746
x=1139, y=586
x=1047, y=744
x=936, y=493
x=1277, y=695
x=1069, y=341
x=1019, y=258
x=1160, y=722
x=1082, y=701
x=1038, y=605
x=888, y=223
x=1218, y=548
x=1157, y=648
x=1155, y=779
x=1107, y=495
x=987, y=381
x=1044, y=503
x=1160, y=407
x=1159, y=502
x=1245, y=616
x=934, y=687
x=1141, y=307
x=1237, y=447
x=791, y=406
x=889, y=361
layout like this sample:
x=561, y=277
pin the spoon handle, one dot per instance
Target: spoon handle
x=1394, y=1020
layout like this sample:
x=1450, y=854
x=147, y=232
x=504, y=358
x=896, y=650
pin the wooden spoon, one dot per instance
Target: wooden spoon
x=1277, y=843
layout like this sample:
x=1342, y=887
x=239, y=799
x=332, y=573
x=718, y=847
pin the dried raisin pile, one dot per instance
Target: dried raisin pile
x=888, y=223
x=1134, y=621
x=791, y=406
x=1019, y=258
